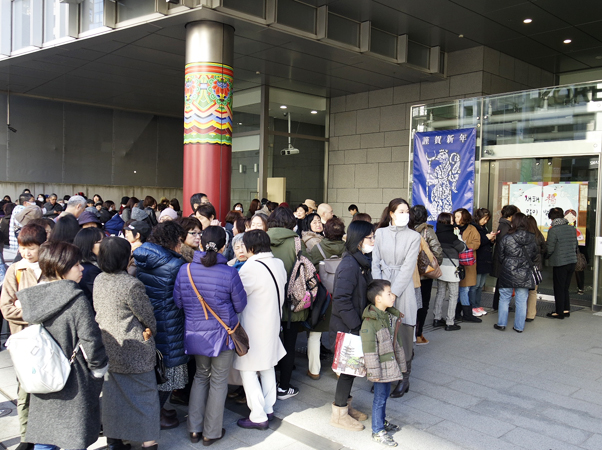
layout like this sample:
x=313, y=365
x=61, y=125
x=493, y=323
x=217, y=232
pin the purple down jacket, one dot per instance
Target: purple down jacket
x=223, y=291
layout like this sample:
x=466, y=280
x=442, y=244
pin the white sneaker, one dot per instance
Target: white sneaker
x=476, y=312
x=283, y=394
x=483, y=312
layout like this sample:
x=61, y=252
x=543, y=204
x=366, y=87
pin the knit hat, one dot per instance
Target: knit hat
x=88, y=217
x=141, y=228
x=170, y=213
x=28, y=214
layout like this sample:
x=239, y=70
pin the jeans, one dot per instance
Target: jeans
x=464, y=295
x=520, y=299
x=46, y=447
x=379, y=405
x=474, y=294
x=561, y=277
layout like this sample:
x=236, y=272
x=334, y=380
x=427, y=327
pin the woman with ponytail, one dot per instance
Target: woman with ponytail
x=219, y=285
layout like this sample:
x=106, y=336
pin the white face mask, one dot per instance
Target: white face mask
x=402, y=219
x=238, y=208
x=367, y=248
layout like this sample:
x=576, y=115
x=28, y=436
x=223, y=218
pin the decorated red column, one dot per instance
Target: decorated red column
x=208, y=114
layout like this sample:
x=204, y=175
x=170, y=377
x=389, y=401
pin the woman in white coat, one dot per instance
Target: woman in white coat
x=263, y=277
x=394, y=258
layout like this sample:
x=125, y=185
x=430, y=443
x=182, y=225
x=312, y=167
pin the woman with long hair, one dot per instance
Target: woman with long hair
x=219, y=286
x=472, y=239
x=484, y=257
x=254, y=206
x=349, y=300
x=88, y=241
x=518, y=253
x=394, y=258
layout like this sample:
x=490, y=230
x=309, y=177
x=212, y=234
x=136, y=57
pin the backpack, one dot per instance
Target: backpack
x=303, y=284
x=39, y=362
x=327, y=269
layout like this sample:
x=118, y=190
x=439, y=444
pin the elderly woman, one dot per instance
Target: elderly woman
x=130, y=405
x=394, y=257
x=240, y=252
x=158, y=263
x=263, y=277
x=313, y=230
x=209, y=280
x=69, y=418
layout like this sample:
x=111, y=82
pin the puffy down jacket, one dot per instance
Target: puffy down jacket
x=222, y=289
x=515, y=268
x=157, y=269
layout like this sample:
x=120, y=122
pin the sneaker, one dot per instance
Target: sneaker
x=421, y=340
x=383, y=438
x=476, y=312
x=391, y=427
x=453, y=327
x=483, y=312
x=438, y=323
x=283, y=394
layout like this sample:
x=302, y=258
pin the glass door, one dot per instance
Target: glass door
x=535, y=185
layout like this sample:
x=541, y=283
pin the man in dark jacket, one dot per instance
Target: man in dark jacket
x=53, y=209
x=503, y=227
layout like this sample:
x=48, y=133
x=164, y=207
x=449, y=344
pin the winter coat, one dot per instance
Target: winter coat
x=484, y=253
x=394, y=258
x=261, y=317
x=90, y=273
x=503, y=227
x=104, y=215
x=126, y=214
x=114, y=225
x=144, y=215
x=223, y=291
x=428, y=234
x=472, y=239
x=157, y=268
x=282, y=243
x=69, y=418
x=349, y=294
x=52, y=211
x=562, y=243
x=152, y=215
x=518, y=252
x=187, y=252
x=4, y=235
x=385, y=359
x=542, y=246
x=451, y=246
x=311, y=239
x=330, y=248
x=13, y=314
x=123, y=312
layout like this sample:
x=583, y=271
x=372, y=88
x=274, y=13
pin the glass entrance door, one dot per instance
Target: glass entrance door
x=535, y=185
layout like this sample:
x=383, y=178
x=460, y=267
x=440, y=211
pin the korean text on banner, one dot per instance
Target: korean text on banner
x=443, y=178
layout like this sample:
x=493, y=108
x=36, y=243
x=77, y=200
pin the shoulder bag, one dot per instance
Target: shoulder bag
x=535, y=272
x=237, y=334
x=427, y=268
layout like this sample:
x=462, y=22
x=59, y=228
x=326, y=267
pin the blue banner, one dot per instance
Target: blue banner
x=443, y=177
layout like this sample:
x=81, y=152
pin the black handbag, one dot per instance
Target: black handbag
x=460, y=271
x=160, y=368
x=535, y=272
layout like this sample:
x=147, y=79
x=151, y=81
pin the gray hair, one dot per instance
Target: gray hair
x=236, y=239
x=77, y=200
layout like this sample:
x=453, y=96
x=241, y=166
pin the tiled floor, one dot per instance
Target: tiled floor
x=477, y=388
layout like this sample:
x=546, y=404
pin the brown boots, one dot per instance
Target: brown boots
x=347, y=417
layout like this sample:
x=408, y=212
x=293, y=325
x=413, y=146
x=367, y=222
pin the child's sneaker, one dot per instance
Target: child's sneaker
x=391, y=427
x=384, y=438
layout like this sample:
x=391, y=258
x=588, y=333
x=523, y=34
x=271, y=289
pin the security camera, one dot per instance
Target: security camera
x=289, y=151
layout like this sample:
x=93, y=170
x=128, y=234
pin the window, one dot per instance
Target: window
x=91, y=15
x=22, y=24
x=131, y=9
x=56, y=20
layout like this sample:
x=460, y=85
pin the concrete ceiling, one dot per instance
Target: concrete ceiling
x=142, y=67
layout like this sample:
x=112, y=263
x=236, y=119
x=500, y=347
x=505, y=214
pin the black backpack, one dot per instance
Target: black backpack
x=318, y=308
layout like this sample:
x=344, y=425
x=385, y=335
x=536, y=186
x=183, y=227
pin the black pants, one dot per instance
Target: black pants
x=344, y=385
x=562, y=280
x=289, y=340
x=426, y=286
x=580, y=277
x=496, y=295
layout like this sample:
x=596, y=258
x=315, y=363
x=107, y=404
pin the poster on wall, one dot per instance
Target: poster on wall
x=536, y=199
x=443, y=176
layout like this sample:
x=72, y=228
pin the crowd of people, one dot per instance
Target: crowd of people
x=157, y=303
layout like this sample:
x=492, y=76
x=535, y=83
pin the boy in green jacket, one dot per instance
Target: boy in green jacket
x=383, y=354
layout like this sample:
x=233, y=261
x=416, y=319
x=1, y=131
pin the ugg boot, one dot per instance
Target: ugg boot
x=468, y=316
x=341, y=419
x=357, y=415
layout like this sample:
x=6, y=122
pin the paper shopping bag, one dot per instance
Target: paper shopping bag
x=348, y=355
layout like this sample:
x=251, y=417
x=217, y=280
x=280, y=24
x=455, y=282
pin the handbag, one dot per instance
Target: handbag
x=436, y=272
x=581, y=262
x=424, y=263
x=535, y=272
x=160, y=374
x=467, y=257
x=431, y=269
x=460, y=271
x=237, y=334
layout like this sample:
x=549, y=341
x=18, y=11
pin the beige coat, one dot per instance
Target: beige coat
x=472, y=239
x=261, y=316
x=10, y=311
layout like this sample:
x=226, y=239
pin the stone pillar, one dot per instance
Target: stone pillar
x=208, y=114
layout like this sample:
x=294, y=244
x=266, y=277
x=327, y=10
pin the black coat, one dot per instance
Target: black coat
x=449, y=241
x=503, y=228
x=484, y=252
x=86, y=284
x=52, y=211
x=349, y=297
x=518, y=252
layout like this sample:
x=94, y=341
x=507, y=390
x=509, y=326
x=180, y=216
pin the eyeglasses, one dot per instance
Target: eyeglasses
x=195, y=233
